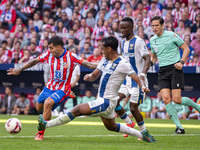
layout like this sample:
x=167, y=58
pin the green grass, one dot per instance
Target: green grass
x=95, y=137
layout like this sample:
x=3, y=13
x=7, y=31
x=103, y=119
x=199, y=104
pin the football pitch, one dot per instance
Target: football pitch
x=89, y=134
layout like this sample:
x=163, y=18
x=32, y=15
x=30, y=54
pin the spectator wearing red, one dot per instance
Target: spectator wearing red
x=18, y=22
x=145, y=4
x=177, y=12
x=49, y=4
x=195, y=61
x=117, y=8
x=8, y=15
x=139, y=9
x=33, y=51
x=17, y=47
x=153, y=11
x=7, y=54
x=27, y=57
x=96, y=57
x=194, y=12
x=196, y=43
x=16, y=57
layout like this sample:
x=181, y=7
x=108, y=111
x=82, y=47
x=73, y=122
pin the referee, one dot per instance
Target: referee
x=165, y=47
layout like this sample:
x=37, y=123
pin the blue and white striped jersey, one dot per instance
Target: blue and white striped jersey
x=133, y=51
x=113, y=75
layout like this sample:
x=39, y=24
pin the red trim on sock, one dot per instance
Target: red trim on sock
x=42, y=132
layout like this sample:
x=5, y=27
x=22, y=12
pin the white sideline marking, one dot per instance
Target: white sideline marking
x=67, y=136
x=158, y=125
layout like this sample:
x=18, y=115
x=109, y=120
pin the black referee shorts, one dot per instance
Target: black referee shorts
x=171, y=78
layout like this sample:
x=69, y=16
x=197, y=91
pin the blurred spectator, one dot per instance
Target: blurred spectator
x=90, y=19
x=88, y=96
x=22, y=105
x=185, y=19
x=180, y=29
x=188, y=41
x=71, y=44
x=37, y=22
x=158, y=108
x=61, y=28
x=146, y=106
x=195, y=114
x=16, y=48
x=197, y=23
x=44, y=36
x=16, y=57
x=195, y=61
x=117, y=8
x=33, y=51
x=33, y=110
x=45, y=46
x=51, y=22
x=18, y=22
x=26, y=57
x=177, y=11
x=8, y=101
x=153, y=11
x=88, y=40
x=140, y=8
x=182, y=111
x=22, y=9
x=7, y=54
x=96, y=57
x=194, y=12
x=66, y=9
x=86, y=50
x=196, y=43
x=31, y=26
x=8, y=15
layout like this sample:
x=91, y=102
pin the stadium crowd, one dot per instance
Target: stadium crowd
x=27, y=25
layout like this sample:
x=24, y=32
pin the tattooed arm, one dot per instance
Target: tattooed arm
x=17, y=71
x=88, y=64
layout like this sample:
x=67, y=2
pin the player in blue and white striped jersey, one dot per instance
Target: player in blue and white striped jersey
x=134, y=50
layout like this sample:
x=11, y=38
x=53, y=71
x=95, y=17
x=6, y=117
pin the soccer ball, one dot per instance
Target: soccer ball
x=13, y=126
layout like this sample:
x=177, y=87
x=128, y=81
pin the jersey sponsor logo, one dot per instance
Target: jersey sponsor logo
x=128, y=54
x=113, y=65
x=105, y=70
x=65, y=65
x=155, y=49
x=76, y=56
x=58, y=74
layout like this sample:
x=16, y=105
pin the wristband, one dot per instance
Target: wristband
x=143, y=86
x=151, y=63
x=143, y=74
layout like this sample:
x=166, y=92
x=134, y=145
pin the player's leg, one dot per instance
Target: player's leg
x=166, y=96
x=123, y=92
x=117, y=127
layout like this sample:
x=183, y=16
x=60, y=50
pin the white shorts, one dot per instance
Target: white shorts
x=103, y=107
x=137, y=96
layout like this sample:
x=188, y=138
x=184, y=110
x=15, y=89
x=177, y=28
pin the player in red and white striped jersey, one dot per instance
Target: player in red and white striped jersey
x=58, y=88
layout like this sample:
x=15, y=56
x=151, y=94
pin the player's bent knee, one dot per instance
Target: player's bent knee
x=49, y=103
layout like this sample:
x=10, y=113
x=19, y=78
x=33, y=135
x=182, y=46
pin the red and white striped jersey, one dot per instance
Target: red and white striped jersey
x=113, y=1
x=34, y=3
x=146, y=22
x=61, y=69
x=120, y=12
x=64, y=30
x=192, y=36
x=193, y=64
x=177, y=15
x=193, y=15
x=151, y=13
x=99, y=29
x=26, y=10
x=6, y=55
x=21, y=53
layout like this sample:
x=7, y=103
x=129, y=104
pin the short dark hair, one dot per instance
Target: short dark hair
x=4, y=41
x=161, y=21
x=22, y=94
x=17, y=42
x=110, y=41
x=33, y=43
x=10, y=87
x=128, y=19
x=56, y=40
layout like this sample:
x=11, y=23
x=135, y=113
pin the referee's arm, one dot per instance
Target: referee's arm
x=186, y=51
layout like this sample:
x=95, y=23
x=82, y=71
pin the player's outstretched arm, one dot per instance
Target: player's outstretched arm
x=140, y=82
x=146, y=66
x=88, y=64
x=92, y=76
x=17, y=71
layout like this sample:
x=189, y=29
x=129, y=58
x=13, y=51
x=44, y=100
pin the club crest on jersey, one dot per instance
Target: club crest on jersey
x=58, y=74
x=131, y=46
x=113, y=65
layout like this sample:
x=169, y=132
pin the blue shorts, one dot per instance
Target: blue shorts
x=58, y=96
